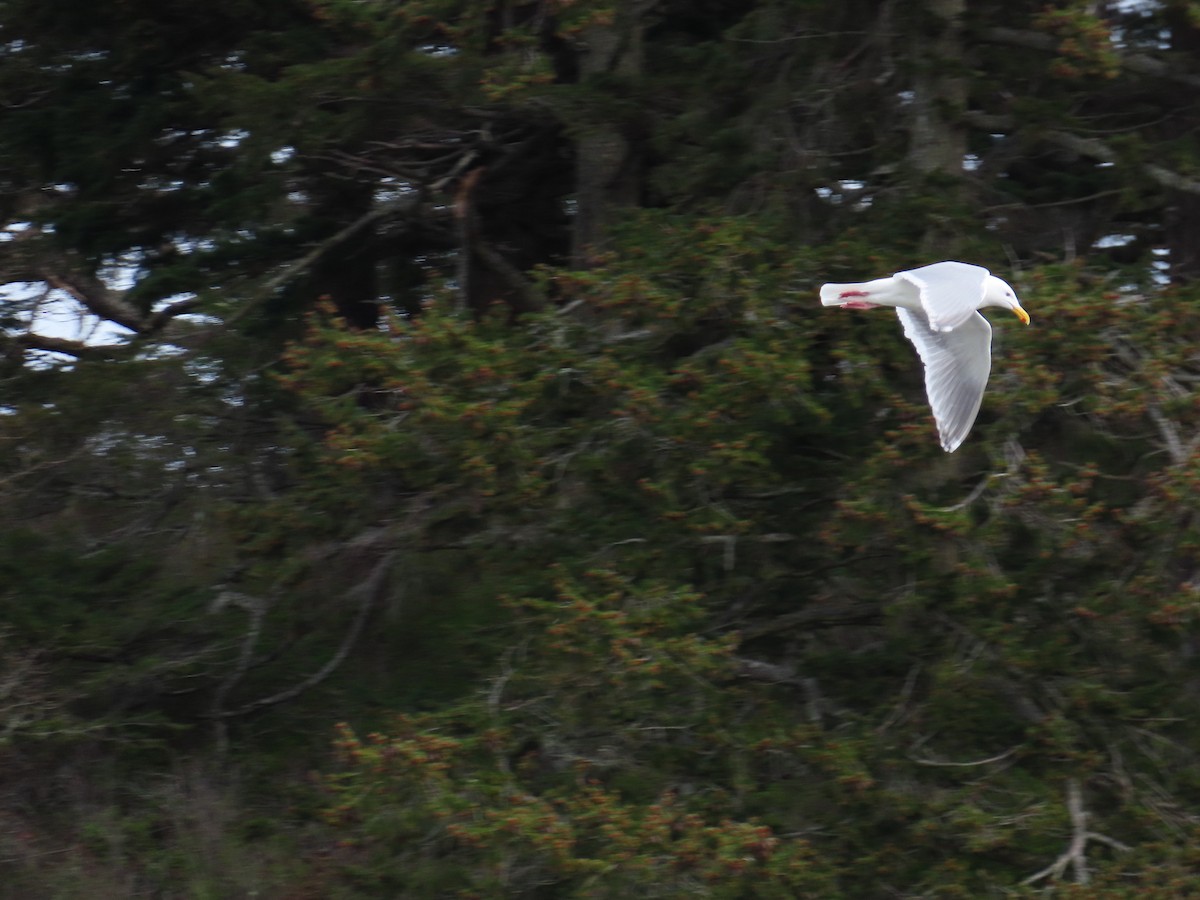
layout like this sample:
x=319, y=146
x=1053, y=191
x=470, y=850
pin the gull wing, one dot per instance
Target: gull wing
x=957, y=365
x=950, y=291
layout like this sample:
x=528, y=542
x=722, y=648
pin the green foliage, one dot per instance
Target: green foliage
x=667, y=588
x=1085, y=42
x=1013, y=620
x=531, y=789
x=495, y=420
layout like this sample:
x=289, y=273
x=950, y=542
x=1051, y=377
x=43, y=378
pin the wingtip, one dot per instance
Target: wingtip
x=952, y=444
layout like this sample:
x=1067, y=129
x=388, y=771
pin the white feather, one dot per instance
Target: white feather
x=938, y=306
x=957, y=365
x=950, y=292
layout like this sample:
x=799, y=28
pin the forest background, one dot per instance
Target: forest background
x=427, y=471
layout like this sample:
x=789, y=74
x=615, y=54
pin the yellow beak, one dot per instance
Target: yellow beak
x=1021, y=314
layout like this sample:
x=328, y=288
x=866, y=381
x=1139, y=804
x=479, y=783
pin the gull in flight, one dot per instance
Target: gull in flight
x=939, y=308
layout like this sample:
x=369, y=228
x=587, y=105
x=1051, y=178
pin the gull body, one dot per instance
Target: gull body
x=938, y=306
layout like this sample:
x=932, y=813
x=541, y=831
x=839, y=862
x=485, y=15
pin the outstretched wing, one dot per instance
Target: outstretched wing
x=957, y=365
x=950, y=291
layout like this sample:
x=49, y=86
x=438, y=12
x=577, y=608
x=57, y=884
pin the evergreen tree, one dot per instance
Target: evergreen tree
x=473, y=393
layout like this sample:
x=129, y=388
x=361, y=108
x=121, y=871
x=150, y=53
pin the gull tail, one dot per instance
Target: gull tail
x=841, y=294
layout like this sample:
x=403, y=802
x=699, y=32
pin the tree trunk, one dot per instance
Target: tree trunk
x=1183, y=208
x=607, y=168
x=937, y=138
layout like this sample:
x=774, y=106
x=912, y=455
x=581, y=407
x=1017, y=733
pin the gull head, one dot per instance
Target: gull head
x=998, y=292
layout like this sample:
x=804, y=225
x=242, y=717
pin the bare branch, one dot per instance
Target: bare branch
x=78, y=349
x=34, y=259
x=160, y=319
x=1170, y=435
x=257, y=610
x=974, y=495
x=906, y=692
x=294, y=270
x=1076, y=853
x=369, y=591
x=818, y=616
x=760, y=670
x=97, y=298
x=999, y=757
x=1090, y=147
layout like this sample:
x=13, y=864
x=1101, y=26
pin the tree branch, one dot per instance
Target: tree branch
x=1090, y=147
x=34, y=259
x=1137, y=63
x=369, y=592
x=819, y=616
x=761, y=670
x=78, y=349
x=1076, y=853
x=530, y=299
x=294, y=270
x=256, y=608
x=163, y=317
x=999, y=757
x=97, y=298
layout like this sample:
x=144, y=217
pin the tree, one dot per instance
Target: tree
x=474, y=372
x=963, y=662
